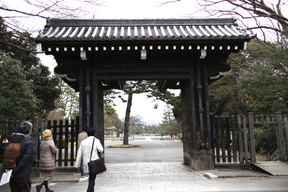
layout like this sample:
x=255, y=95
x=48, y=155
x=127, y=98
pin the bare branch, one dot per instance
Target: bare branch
x=16, y=18
x=168, y=2
x=264, y=27
x=254, y=14
x=15, y=46
x=5, y=33
x=47, y=8
x=24, y=13
x=237, y=63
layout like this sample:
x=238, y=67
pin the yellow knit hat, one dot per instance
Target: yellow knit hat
x=47, y=133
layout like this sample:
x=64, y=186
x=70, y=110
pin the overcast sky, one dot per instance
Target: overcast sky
x=133, y=9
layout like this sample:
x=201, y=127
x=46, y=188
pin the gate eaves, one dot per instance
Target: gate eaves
x=157, y=49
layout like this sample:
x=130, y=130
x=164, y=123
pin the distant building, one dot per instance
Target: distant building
x=111, y=131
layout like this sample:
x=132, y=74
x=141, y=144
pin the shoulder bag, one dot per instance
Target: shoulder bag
x=96, y=166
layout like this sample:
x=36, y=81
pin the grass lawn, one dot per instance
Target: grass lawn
x=123, y=146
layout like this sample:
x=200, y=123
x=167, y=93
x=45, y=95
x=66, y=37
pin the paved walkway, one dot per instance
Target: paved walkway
x=146, y=171
x=164, y=177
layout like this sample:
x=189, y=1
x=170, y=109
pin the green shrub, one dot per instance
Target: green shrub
x=265, y=139
x=180, y=136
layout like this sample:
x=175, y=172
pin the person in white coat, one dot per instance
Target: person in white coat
x=85, y=151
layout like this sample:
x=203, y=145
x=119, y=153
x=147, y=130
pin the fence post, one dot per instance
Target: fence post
x=7, y=133
x=42, y=128
x=240, y=139
x=60, y=142
x=252, y=138
x=72, y=142
x=280, y=133
x=11, y=130
x=273, y=119
x=245, y=138
x=228, y=138
x=217, y=138
x=55, y=130
x=261, y=119
x=212, y=132
x=286, y=131
x=222, y=138
x=77, y=131
x=267, y=119
x=234, y=140
x=36, y=135
x=66, y=142
x=17, y=126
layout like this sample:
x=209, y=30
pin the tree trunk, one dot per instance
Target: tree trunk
x=127, y=118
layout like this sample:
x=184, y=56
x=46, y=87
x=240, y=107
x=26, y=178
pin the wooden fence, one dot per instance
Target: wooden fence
x=234, y=141
x=65, y=135
x=233, y=137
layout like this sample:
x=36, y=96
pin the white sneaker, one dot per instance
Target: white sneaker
x=83, y=180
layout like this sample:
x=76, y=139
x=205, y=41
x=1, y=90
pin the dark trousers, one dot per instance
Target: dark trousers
x=81, y=168
x=20, y=184
x=91, y=183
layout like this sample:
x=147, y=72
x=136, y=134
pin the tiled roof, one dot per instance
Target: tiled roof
x=141, y=30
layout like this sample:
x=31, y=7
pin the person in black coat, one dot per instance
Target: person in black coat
x=21, y=175
x=3, y=145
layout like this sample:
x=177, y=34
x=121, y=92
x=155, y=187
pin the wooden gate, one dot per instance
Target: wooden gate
x=234, y=141
x=231, y=139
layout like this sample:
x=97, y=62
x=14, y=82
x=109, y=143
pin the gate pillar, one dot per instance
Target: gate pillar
x=197, y=145
x=91, y=110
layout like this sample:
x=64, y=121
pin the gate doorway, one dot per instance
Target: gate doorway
x=186, y=54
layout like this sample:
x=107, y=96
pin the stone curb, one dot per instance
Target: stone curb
x=210, y=176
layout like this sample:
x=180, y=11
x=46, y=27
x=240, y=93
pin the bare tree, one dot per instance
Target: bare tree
x=136, y=120
x=117, y=123
x=68, y=101
x=264, y=15
x=127, y=119
x=24, y=16
x=134, y=87
x=56, y=114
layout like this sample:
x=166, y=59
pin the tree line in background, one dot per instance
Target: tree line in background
x=169, y=125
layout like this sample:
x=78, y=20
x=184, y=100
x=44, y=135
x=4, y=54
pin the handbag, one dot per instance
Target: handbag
x=96, y=166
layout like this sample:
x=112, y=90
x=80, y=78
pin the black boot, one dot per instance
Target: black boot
x=39, y=187
x=47, y=188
